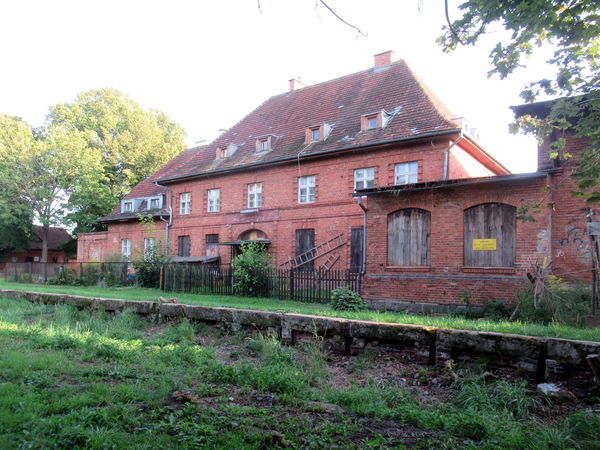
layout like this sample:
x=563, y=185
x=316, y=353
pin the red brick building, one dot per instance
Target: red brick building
x=286, y=173
x=314, y=164
x=34, y=254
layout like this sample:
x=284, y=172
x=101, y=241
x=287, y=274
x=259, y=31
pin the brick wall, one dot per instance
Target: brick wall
x=333, y=212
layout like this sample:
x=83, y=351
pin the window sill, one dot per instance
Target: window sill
x=249, y=210
x=494, y=270
x=408, y=268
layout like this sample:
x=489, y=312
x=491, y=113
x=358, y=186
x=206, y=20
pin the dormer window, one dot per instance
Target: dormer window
x=374, y=120
x=265, y=143
x=127, y=206
x=226, y=151
x=154, y=202
x=316, y=133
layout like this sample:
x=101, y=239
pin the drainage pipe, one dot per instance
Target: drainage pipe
x=170, y=221
x=364, y=252
x=446, y=154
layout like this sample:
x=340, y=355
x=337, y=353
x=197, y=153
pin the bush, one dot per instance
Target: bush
x=559, y=302
x=343, y=299
x=147, y=263
x=250, y=267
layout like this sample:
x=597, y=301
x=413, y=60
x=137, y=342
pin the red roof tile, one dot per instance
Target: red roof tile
x=55, y=237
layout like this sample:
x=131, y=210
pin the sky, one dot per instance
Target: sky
x=208, y=64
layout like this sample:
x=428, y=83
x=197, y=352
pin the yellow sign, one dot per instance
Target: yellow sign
x=484, y=244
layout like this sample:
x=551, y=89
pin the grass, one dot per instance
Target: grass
x=286, y=306
x=80, y=379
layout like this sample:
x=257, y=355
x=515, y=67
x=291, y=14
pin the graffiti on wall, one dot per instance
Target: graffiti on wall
x=575, y=242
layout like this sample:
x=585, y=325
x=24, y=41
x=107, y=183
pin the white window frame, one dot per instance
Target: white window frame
x=406, y=173
x=255, y=195
x=185, y=201
x=264, y=145
x=152, y=199
x=214, y=197
x=127, y=206
x=149, y=244
x=369, y=124
x=224, y=152
x=364, y=176
x=126, y=247
x=306, y=189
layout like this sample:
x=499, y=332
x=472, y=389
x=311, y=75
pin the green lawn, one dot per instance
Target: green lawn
x=286, y=306
x=75, y=379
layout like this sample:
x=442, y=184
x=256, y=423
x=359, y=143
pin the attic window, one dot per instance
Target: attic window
x=127, y=206
x=315, y=134
x=154, y=202
x=372, y=122
x=224, y=152
x=264, y=144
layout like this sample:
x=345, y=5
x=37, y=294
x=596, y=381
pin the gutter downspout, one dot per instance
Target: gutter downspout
x=364, y=252
x=170, y=213
x=446, y=154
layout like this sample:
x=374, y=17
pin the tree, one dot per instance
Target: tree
x=132, y=142
x=573, y=27
x=16, y=222
x=42, y=168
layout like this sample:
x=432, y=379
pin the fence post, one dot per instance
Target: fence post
x=292, y=283
x=16, y=275
x=161, y=286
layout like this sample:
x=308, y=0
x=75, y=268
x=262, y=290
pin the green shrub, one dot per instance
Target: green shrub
x=251, y=270
x=343, y=299
x=559, y=303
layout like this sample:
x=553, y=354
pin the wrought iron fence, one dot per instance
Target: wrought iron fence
x=305, y=286
x=73, y=273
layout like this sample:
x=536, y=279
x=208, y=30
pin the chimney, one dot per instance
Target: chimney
x=383, y=59
x=296, y=84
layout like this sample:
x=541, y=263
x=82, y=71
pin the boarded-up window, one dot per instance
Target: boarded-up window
x=212, y=245
x=184, y=246
x=305, y=242
x=408, y=237
x=356, y=249
x=496, y=222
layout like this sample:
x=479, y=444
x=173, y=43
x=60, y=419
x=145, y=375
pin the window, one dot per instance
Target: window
x=184, y=246
x=185, y=201
x=371, y=122
x=407, y=173
x=126, y=247
x=149, y=248
x=224, y=152
x=127, y=206
x=306, y=189
x=490, y=237
x=364, y=178
x=213, y=200
x=54, y=260
x=155, y=203
x=264, y=144
x=408, y=237
x=254, y=195
x=315, y=134
x=15, y=259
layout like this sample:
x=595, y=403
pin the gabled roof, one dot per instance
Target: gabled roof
x=416, y=112
x=55, y=237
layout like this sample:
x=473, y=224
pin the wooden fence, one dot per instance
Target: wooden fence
x=304, y=286
x=72, y=273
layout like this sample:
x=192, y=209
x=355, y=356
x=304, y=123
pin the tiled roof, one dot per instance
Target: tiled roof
x=339, y=103
x=55, y=236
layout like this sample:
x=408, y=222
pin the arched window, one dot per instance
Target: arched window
x=490, y=235
x=408, y=237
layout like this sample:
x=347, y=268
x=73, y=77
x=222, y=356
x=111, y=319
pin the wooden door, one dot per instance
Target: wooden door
x=356, y=249
x=184, y=246
x=305, y=241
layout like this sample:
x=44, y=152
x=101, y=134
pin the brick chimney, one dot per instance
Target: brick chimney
x=383, y=59
x=295, y=85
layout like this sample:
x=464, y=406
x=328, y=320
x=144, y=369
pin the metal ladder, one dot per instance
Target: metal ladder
x=314, y=252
